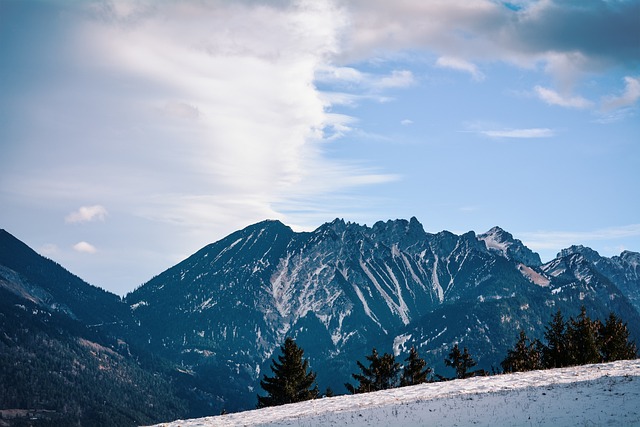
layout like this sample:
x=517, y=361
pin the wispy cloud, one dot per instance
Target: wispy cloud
x=540, y=240
x=520, y=133
x=87, y=214
x=49, y=249
x=629, y=97
x=85, y=247
x=226, y=106
x=460, y=65
x=181, y=110
x=397, y=79
x=552, y=97
x=352, y=78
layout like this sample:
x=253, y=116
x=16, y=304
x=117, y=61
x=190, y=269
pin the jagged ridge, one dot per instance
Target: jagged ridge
x=345, y=288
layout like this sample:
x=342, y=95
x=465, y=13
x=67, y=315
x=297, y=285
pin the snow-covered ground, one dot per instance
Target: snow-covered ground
x=592, y=395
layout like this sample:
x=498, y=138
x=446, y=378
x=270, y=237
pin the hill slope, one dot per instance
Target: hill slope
x=605, y=394
x=64, y=358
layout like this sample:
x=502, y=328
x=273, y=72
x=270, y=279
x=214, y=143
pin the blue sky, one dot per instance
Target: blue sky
x=135, y=132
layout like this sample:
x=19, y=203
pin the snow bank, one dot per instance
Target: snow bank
x=592, y=395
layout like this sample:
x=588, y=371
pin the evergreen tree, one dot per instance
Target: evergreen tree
x=415, y=371
x=613, y=340
x=381, y=374
x=555, y=354
x=461, y=362
x=366, y=378
x=291, y=382
x=582, y=334
x=525, y=356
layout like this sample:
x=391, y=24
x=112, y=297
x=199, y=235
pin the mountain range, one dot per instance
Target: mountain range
x=210, y=325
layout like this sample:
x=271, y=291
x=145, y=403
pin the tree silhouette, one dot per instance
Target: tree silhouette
x=525, y=355
x=381, y=374
x=555, y=354
x=613, y=340
x=461, y=362
x=582, y=335
x=291, y=382
x=416, y=370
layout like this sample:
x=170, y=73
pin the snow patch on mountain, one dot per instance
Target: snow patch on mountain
x=436, y=282
x=139, y=304
x=399, y=343
x=399, y=308
x=365, y=306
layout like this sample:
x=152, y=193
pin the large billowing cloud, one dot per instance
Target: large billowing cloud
x=187, y=111
x=601, y=31
x=191, y=112
x=567, y=38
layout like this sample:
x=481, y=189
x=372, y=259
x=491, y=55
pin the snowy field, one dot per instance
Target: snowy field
x=593, y=395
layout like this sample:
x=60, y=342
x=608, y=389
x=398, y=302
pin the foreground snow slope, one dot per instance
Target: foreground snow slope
x=592, y=395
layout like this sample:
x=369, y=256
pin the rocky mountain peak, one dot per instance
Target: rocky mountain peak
x=588, y=253
x=502, y=242
x=400, y=231
x=632, y=258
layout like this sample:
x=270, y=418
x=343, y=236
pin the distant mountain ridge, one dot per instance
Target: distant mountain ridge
x=218, y=316
x=345, y=288
x=67, y=347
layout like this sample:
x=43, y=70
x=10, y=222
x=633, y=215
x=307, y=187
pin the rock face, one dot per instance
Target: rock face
x=345, y=288
x=502, y=242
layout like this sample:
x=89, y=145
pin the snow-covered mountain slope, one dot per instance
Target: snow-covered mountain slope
x=594, y=395
x=345, y=288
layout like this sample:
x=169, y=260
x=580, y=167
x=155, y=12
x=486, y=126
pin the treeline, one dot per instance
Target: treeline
x=574, y=342
x=578, y=341
x=56, y=378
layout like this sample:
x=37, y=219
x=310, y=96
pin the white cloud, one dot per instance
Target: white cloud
x=568, y=39
x=85, y=247
x=552, y=97
x=397, y=79
x=460, y=65
x=520, y=133
x=49, y=249
x=352, y=78
x=87, y=214
x=612, y=116
x=629, y=97
x=225, y=119
x=406, y=122
x=181, y=110
x=540, y=240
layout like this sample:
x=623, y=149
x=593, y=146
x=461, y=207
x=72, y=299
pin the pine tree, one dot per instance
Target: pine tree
x=582, y=334
x=613, y=340
x=415, y=371
x=525, y=356
x=366, y=379
x=291, y=382
x=461, y=362
x=555, y=354
x=381, y=374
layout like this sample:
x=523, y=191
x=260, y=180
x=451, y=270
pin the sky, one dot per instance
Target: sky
x=135, y=132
